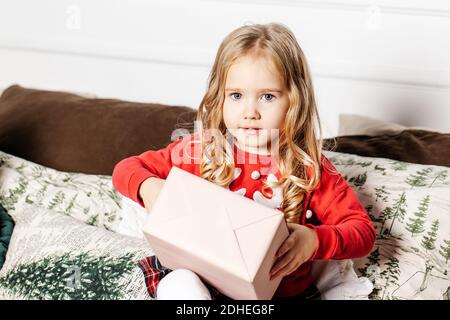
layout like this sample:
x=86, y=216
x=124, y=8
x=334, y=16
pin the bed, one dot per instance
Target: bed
x=64, y=227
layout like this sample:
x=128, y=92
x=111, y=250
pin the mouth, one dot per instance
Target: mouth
x=251, y=131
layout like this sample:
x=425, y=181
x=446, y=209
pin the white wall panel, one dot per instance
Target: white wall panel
x=388, y=59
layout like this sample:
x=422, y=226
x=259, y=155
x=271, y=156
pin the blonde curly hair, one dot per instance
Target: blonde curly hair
x=299, y=146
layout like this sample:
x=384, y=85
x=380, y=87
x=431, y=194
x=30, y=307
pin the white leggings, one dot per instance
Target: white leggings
x=182, y=284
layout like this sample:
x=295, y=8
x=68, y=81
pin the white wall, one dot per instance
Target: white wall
x=387, y=59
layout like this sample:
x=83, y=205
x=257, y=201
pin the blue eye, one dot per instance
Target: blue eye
x=268, y=97
x=235, y=95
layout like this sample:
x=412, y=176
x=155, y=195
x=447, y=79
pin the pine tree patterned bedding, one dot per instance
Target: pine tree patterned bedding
x=409, y=205
x=54, y=256
x=6, y=230
x=89, y=198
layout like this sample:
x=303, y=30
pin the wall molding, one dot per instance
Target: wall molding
x=195, y=57
x=436, y=8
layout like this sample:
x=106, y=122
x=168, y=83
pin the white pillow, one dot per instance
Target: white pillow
x=355, y=124
x=133, y=218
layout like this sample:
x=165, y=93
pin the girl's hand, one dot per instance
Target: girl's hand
x=149, y=191
x=295, y=250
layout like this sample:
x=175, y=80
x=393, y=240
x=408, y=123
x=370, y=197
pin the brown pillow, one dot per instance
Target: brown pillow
x=76, y=134
x=415, y=146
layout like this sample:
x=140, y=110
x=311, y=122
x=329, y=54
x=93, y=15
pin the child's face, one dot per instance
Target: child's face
x=255, y=97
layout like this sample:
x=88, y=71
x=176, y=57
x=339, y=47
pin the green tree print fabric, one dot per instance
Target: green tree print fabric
x=409, y=205
x=53, y=256
x=6, y=230
x=59, y=277
x=89, y=198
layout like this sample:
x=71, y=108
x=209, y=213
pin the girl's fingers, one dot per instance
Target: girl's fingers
x=287, y=244
x=285, y=270
x=280, y=265
x=294, y=267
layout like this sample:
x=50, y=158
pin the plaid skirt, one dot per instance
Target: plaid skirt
x=154, y=271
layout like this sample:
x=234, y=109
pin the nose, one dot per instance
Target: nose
x=251, y=110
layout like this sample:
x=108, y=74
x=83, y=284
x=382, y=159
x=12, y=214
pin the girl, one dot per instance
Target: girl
x=257, y=137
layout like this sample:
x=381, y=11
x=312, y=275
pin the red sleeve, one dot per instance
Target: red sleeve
x=346, y=231
x=129, y=173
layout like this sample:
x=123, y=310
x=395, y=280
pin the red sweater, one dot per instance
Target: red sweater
x=343, y=227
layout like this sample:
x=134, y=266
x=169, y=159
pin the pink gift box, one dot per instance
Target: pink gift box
x=228, y=240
